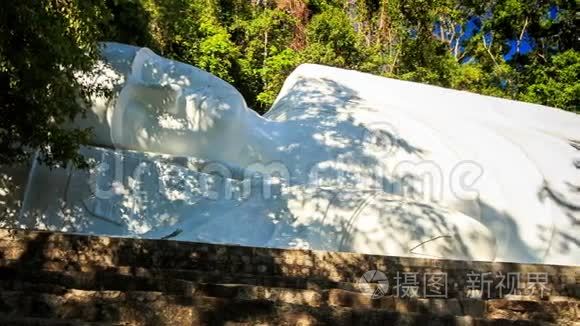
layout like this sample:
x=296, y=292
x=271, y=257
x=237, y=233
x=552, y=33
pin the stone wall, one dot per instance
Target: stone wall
x=54, y=278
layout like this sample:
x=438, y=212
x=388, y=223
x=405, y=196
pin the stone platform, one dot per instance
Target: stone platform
x=62, y=279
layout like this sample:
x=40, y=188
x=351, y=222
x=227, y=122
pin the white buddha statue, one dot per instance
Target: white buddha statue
x=349, y=162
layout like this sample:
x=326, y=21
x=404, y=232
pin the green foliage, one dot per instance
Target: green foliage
x=217, y=53
x=264, y=38
x=332, y=39
x=555, y=84
x=253, y=44
x=274, y=72
x=43, y=43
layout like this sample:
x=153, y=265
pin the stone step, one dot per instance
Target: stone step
x=184, y=282
x=64, y=277
x=12, y=269
x=534, y=310
x=99, y=306
x=240, y=292
x=170, y=280
x=27, y=321
x=516, y=308
x=12, y=278
x=154, y=308
x=559, y=312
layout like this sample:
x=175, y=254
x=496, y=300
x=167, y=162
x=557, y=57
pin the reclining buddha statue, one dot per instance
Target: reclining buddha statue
x=343, y=161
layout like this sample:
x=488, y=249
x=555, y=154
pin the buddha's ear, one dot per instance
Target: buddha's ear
x=146, y=66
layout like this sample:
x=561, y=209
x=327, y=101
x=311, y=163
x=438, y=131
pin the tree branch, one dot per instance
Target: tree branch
x=488, y=49
x=519, y=42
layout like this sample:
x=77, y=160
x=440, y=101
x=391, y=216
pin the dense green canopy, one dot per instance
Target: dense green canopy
x=518, y=49
x=42, y=44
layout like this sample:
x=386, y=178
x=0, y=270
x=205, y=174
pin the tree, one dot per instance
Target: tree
x=505, y=48
x=265, y=39
x=332, y=39
x=554, y=84
x=43, y=44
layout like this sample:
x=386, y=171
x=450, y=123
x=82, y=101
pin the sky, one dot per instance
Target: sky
x=473, y=26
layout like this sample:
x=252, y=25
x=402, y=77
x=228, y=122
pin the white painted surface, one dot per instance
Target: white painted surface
x=353, y=149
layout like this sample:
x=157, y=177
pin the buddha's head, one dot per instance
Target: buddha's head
x=164, y=106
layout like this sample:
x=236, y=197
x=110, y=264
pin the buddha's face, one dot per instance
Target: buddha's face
x=170, y=107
